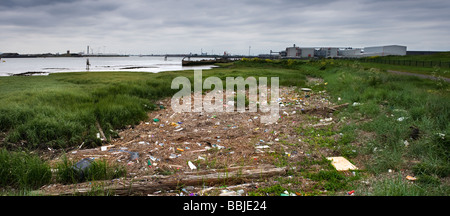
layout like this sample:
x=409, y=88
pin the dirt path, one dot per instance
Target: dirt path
x=418, y=75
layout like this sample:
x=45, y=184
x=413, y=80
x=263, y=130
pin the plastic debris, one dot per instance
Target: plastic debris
x=351, y=193
x=149, y=164
x=159, y=136
x=411, y=178
x=326, y=120
x=134, y=156
x=228, y=193
x=406, y=143
x=240, y=192
x=82, y=168
x=218, y=146
x=191, y=165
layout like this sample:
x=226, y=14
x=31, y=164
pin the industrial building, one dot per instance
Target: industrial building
x=327, y=52
x=385, y=50
x=336, y=52
x=350, y=52
x=299, y=52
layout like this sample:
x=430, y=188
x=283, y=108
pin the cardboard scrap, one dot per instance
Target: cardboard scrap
x=341, y=164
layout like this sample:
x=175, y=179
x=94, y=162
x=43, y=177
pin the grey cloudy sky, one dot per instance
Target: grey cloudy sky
x=175, y=26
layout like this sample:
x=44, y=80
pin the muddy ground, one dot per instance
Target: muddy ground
x=194, y=153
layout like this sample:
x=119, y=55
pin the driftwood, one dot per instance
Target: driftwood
x=337, y=107
x=101, y=131
x=325, y=110
x=150, y=184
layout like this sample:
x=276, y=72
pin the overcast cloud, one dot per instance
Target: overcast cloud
x=175, y=26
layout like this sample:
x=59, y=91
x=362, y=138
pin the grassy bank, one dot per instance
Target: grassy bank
x=401, y=121
x=435, y=65
x=61, y=110
x=395, y=125
x=22, y=172
x=436, y=57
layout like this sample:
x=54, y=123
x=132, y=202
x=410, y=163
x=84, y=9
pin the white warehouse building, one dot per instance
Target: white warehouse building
x=385, y=50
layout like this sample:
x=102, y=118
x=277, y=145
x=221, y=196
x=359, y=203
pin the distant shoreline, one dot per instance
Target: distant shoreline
x=15, y=55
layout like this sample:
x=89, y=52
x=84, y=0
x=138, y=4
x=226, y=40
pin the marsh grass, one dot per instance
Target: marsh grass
x=60, y=111
x=98, y=170
x=23, y=171
x=420, y=64
x=397, y=185
x=391, y=105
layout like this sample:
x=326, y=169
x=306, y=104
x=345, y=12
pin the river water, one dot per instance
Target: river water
x=44, y=66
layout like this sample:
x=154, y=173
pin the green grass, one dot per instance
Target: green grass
x=274, y=190
x=98, y=170
x=60, y=110
x=397, y=185
x=386, y=98
x=436, y=64
x=442, y=56
x=327, y=177
x=23, y=171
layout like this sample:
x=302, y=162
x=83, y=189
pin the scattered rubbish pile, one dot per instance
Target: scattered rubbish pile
x=171, y=144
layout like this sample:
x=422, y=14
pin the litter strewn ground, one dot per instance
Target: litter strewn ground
x=173, y=144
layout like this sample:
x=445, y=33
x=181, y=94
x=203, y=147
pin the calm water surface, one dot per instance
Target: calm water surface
x=10, y=66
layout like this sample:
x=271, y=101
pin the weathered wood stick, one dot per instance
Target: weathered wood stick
x=150, y=184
